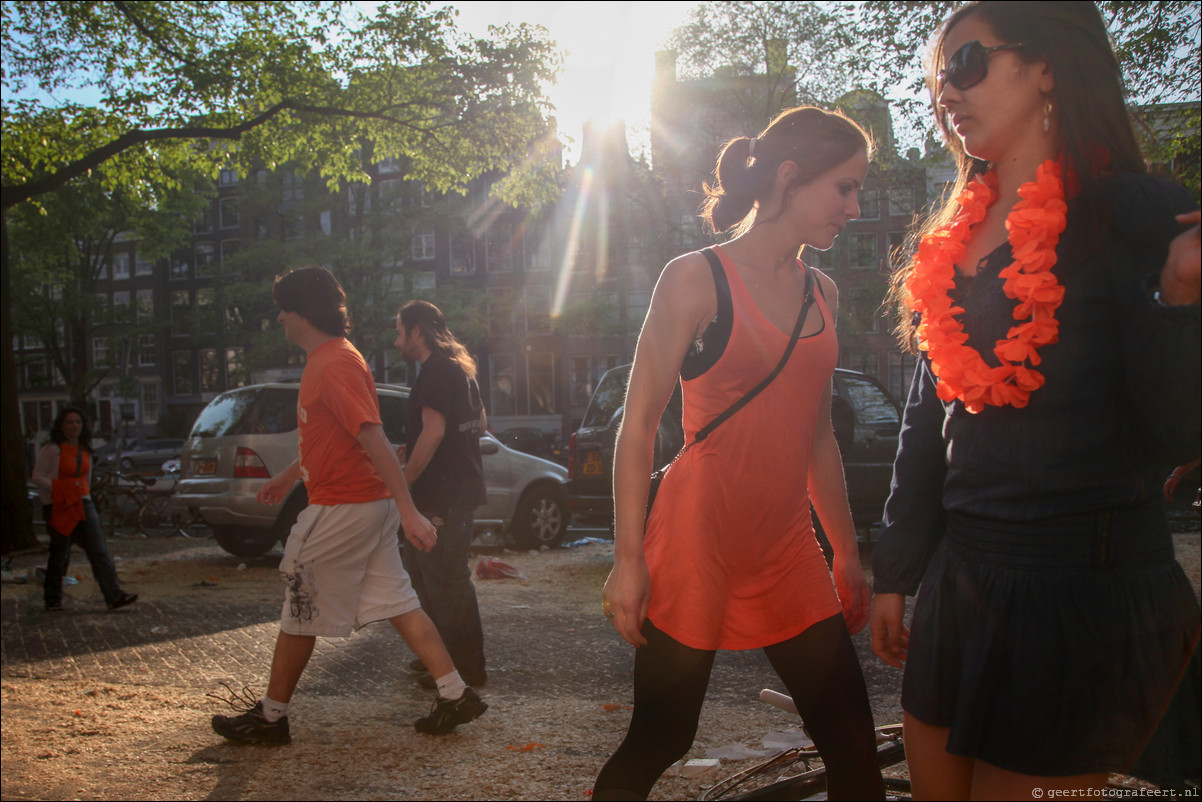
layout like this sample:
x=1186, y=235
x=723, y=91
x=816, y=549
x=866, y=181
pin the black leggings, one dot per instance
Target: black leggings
x=819, y=668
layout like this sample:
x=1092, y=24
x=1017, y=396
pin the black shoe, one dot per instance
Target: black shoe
x=474, y=680
x=54, y=607
x=448, y=714
x=123, y=600
x=418, y=667
x=252, y=728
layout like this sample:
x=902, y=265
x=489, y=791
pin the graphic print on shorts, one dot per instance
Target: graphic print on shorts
x=302, y=593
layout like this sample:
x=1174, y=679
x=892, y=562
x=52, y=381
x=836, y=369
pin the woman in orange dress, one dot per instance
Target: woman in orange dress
x=727, y=558
x=62, y=474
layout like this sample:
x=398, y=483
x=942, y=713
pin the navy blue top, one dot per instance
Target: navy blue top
x=1120, y=405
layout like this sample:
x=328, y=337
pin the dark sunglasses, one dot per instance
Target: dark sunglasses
x=969, y=65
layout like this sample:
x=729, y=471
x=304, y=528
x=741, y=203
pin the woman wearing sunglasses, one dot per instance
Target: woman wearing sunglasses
x=1054, y=301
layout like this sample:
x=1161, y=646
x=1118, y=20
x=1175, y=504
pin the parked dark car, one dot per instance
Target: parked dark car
x=866, y=419
x=533, y=441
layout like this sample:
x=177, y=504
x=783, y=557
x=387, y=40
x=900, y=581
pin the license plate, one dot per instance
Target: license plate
x=592, y=465
x=206, y=467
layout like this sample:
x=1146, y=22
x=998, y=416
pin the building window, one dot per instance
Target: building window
x=180, y=267
x=870, y=204
x=181, y=301
x=500, y=245
x=146, y=356
x=392, y=194
x=539, y=250
x=210, y=371
x=235, y=372
x=581, y=380
x=424, y=282
x=898, y=253
x=206, y=259
x=637, y=304
x=229, y=212
x=901, y=201
x=861, y=252
x=145, y=303
x=149, y=392
x=538, y=310
x=229, y=249
x=143, y=266
x=901, y=372
x=121, y=302
x=863, y=361
x=862, y=309
x=184, y=365
x=100, y=352
x=37, y=375
x=228, y=178
x=500, y=311
x=424, y=238
x=463, y=252
x=32, y=341
x=204, y=223
x=502, y=386
x=540, y=383
x=326, y=221
x=293, y=187
x=206, y=309
x=120, y=266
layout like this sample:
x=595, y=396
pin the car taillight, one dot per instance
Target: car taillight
x=572, y=456
x=248, y=465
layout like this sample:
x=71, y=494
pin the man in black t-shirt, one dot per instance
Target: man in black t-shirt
x=446, y=478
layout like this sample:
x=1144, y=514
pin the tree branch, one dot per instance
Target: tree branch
x=12, y=195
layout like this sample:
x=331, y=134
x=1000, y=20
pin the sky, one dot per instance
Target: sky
x=609, y=58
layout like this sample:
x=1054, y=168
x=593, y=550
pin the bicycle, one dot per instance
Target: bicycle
x=798, y=772
x=158, y=517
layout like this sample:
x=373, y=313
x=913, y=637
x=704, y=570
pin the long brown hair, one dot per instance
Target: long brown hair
x=1095, y=130
x=429, y=320
x=814, y=139
x=56, y=429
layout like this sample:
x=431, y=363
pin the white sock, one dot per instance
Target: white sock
x=451, y=686
x=274, y=711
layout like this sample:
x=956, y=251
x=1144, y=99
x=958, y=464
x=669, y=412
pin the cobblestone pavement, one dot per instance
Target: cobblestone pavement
x=111, y=704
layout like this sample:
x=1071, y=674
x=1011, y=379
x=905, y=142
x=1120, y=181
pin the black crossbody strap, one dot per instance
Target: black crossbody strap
x=753, y=392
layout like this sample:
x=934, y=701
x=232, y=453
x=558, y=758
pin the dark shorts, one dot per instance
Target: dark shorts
x=1052, y=649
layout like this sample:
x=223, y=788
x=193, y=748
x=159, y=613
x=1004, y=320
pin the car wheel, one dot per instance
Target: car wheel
x=127, y=465
x=540, y=520
x=242, y=541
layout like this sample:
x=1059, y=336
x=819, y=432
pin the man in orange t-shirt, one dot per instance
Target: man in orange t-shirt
x=342, y=565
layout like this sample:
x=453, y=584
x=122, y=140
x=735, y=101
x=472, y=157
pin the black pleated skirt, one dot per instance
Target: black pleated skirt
x=1054, y=648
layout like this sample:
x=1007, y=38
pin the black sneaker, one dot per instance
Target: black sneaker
x=474, y=680
x=418, y=667
x=447, y=714
x=54, y=607
x=123, y=600
x=252, y=728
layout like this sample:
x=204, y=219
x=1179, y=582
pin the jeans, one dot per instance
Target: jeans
x=87, y=534
x=443, y=583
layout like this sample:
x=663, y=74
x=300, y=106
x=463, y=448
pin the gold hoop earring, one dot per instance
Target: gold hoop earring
x=1047, y=116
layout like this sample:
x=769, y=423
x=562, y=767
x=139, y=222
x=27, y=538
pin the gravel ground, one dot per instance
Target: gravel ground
x=86, y=717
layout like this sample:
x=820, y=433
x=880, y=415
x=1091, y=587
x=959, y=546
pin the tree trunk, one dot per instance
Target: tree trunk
x=17, y=532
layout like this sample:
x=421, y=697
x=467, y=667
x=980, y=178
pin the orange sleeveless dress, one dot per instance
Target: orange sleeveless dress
x=730, y=544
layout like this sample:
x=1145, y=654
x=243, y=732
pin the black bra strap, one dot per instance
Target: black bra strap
x=742, y=402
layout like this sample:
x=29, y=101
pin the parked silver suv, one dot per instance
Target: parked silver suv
x=246, y=436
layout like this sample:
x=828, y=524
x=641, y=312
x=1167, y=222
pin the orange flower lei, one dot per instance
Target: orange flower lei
x=1034, y=224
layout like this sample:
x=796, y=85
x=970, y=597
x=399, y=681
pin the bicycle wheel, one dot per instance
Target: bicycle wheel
x=156, y=518
x=192, y=525
x=798, y=773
